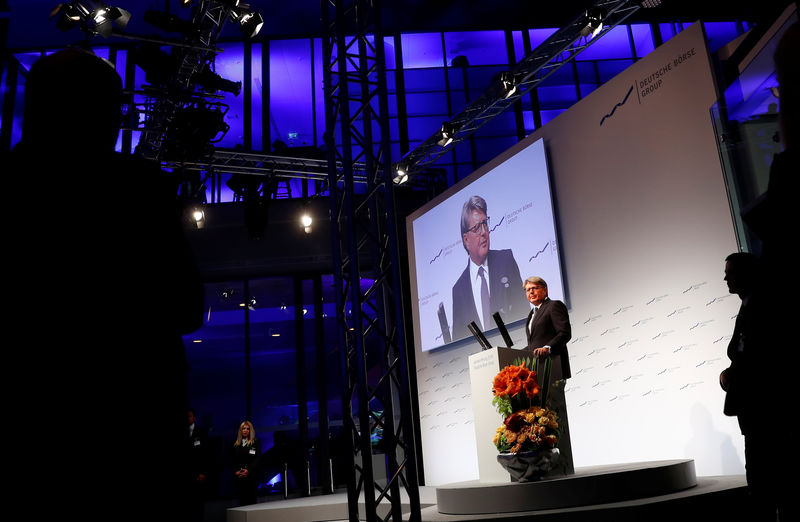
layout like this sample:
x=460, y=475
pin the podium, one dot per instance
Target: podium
x=483, y=366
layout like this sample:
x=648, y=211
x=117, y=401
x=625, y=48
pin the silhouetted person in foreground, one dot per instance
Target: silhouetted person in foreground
x=101, y=286
x=770, y=446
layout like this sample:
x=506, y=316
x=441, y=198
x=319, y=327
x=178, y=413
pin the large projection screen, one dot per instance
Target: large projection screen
x=521, y=242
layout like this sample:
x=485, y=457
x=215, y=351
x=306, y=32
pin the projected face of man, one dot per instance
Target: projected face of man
x=476, y=239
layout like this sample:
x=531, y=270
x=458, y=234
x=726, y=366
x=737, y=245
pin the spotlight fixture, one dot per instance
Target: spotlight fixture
x=593, y=21
x=509, y=83
x=186, y=3
x=250, y=22
x=90, y=16
x=306, y=220
x=448, y=133
x=199, y=216
x=210, y=81
x=401, y=174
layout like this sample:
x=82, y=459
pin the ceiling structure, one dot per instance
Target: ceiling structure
x=30, y=26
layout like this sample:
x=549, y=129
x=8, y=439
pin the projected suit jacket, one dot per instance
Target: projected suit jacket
x=505, y=294
x=551, y=328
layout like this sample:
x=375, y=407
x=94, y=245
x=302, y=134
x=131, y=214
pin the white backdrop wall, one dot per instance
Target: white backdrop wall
x=645, y=225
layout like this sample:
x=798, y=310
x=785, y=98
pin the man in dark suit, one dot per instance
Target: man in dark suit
x=759, y=415
x=490, y=281
x=548, y=330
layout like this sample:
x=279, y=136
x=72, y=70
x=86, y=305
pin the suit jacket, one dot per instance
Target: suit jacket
x=505, y=293
x=551, y=328
x=741, y=397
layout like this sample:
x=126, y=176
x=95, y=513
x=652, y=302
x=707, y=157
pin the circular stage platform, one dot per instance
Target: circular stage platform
x=591, y=485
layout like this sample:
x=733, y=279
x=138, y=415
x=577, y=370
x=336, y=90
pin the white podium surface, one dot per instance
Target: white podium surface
x=483, y=366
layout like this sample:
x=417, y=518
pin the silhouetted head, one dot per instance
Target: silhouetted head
x=741, y=273
x=72, y=98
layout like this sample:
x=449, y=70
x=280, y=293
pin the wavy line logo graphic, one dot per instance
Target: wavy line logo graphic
x=534, y=256
x=436, y=256
x=498, y=224
x=618, y=105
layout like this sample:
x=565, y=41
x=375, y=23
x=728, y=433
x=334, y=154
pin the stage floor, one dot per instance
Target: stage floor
x=620, y=493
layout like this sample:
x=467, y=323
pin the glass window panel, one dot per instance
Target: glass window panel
x=527, y=119
x=504, y=123
x=613, y=44
x=215, y=355
x=607, y=69
x=291, y=112
x=319, y=92
x=587, y=88
x=519, y=46
x=421, y=50
x=719, y=34
x=587, y=72
x=480, y=78
x=426, y=103
x=559, y=97
x=538, y=36
x=455, y=77
x=642, y=39
x=464, y=153
x=479, y=47
x=230, y=66
x=488, y=148
x=421, y=128
x=548, y=115
x=256, y=98
x=388, y=52
x=563, y=75
x=422, y=80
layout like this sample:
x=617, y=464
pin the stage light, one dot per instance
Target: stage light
x=401, y=174
x=199, y=217
x=509, y=83
x=593, y=21
x=210, y=81
x=91, y=17
x=447, y=132
x=250, y=22
x=186, y=3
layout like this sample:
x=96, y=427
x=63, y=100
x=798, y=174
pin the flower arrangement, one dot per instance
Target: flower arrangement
x=518, y=397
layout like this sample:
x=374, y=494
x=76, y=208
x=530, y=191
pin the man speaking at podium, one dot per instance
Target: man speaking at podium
x=548, y=331
x=548, y=328
x=490, y=281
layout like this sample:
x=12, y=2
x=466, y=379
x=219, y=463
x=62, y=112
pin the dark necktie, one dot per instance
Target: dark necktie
x=484, y=298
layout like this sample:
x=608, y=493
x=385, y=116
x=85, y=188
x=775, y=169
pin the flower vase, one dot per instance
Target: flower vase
x=529, y=466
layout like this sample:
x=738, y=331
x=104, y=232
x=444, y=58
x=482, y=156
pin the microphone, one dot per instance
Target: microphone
x=443, y=324
x=502, y=327
x=476, y=332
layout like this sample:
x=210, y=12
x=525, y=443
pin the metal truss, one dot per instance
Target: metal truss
x=208, y=18
x=369, y=318
x=560, y=48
